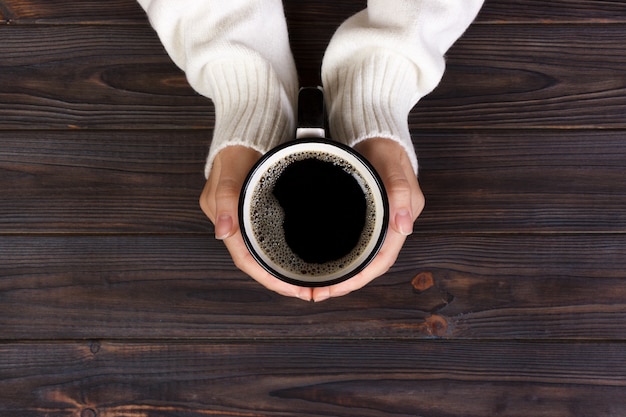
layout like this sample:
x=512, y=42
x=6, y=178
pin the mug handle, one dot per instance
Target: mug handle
x=311, y=113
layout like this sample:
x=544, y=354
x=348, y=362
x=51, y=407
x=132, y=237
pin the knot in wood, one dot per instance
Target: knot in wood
x=423, y=281
x=436, y=326
x=94, y=347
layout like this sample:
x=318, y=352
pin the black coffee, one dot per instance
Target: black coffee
x=324, y=209
x=312, y=213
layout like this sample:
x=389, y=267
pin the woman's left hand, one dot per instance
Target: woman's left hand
x=406, y=202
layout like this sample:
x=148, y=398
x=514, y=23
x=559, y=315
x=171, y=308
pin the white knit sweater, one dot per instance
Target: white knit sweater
x=378, y=64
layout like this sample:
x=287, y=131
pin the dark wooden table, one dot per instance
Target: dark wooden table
x=509, y=299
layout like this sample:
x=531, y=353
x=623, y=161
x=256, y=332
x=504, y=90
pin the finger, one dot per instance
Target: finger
x=220, y=197
x=207, y=198
x=406, y=199
x=400, y=203
x=246, y=263
x=384, y=260
x=226, y=203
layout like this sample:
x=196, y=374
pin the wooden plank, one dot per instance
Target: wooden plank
x=522, y=181
x=554, y=11
x=494, y=11
x=499, y=76
x=338, y=378
x=527, y=76
x=489, y=287
x=93, y=77
x=82, y=181
x=73, y=12
x=311, y=26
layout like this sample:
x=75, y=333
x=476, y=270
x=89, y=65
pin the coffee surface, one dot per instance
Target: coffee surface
x=324, y=208
x=326, y=231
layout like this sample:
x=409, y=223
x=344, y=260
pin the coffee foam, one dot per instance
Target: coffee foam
x=267, y=217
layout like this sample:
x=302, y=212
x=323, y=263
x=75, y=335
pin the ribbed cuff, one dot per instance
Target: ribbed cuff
x=252, y=107
x=371, y=96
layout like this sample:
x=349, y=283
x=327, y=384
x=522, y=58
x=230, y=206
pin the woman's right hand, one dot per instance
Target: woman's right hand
x=220, y=200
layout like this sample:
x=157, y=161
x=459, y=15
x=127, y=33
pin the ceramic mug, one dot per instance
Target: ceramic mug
x=313, y=212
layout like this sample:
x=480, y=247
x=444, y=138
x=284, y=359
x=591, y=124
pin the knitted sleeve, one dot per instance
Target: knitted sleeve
x=229, y=55
x=381, y=61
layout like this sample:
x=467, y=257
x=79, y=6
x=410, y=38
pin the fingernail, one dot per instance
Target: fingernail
x=404, y=222
x=223, y=226
x=304, y=294
x=322, y=295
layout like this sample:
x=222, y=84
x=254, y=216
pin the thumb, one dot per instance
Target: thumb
x=224, y=226
x=402, y=214
x=403, y=222
x=226, y=207
x=220, y=197
x=406, y=200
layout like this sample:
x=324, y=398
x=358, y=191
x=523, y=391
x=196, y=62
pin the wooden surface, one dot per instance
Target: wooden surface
x=508, y=300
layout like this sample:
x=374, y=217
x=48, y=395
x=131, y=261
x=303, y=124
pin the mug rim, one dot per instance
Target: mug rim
x=377, y=182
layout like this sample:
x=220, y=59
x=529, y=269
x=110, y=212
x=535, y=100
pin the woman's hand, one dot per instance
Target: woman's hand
x=220, y=200
x=406, y=202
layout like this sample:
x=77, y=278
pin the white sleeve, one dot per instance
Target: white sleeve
x=381, y=61
x=236, y=52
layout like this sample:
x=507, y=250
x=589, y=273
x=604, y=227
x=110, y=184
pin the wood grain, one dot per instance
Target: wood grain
x=93, y=77
x=530, y=76
x=102, y=182
x=554, y=11
x=522, y=181
x=349, y=378
x=526, y=76
x=523, y=287
x=85, y=181
x=72, y=12
x=493, y=12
